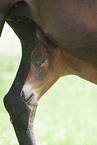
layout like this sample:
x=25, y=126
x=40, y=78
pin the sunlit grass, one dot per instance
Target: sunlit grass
x=67, y=113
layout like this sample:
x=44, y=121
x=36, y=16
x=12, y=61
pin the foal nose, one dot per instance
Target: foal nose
x=29, y=99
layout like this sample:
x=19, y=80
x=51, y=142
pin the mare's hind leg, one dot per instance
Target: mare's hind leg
x=21, y=114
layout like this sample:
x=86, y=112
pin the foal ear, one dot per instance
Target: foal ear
x=40, y=35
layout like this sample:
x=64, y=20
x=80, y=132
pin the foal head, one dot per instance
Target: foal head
x=45, y=69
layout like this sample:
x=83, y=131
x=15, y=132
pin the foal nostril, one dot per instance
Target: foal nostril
x=22, y=94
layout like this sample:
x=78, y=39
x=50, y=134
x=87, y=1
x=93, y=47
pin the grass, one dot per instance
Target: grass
x=67, y=113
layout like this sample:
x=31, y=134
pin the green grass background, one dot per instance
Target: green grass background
x=67, y=113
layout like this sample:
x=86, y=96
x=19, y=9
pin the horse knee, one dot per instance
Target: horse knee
x=20, y=114
x=8, y=103
x=18, y=111
x=22, y=117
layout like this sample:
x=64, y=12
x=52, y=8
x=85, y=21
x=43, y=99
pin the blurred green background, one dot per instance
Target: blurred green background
x=67, y=113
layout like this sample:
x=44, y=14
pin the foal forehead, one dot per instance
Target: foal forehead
x=40, y=51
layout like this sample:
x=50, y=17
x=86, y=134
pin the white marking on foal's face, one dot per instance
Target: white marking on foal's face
x=30, y=95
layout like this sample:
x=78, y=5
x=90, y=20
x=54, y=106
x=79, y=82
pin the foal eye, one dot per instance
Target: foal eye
x=39, y=64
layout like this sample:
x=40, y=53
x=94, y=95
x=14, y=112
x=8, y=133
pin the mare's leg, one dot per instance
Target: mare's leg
x=1, y=23
x=21, y=114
